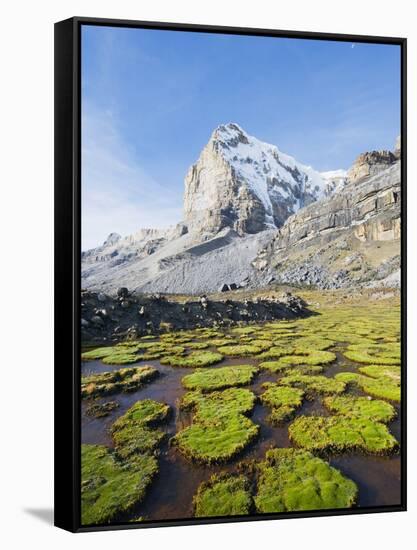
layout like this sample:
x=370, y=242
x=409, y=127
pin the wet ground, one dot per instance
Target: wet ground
x=171, y=494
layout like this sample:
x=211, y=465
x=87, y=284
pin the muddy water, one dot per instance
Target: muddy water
x=171, y=494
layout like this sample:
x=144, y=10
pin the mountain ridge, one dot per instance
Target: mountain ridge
x=239, y=195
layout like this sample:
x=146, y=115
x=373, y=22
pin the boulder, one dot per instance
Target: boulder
x=122, y=292
x=96, y=320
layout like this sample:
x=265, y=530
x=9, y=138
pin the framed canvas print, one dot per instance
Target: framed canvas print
x=230, y=274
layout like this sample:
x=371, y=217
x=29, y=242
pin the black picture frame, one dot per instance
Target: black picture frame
x=67, y=175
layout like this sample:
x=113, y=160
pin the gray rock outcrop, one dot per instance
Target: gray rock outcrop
x=350, y=238
x=370, y=164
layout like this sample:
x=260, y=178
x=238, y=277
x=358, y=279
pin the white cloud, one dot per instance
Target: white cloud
x=117, y=193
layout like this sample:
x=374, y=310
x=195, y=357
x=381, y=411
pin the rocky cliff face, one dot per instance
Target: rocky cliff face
x=248, y=185
x=370, y=164
x=349, y=238
x=117, y=250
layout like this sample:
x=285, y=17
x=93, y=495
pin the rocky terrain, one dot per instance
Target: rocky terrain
x=129, y=315
x=349, y=239
x=255, y=216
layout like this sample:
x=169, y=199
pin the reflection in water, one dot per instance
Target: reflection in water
x=171, y=494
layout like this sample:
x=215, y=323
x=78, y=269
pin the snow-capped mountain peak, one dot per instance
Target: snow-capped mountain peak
x=243, y=177
x=264, y=165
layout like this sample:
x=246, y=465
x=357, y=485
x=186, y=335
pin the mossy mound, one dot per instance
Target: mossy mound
x=285, y=338
x=240, y=350
x=217, y=342
x=115, y=481
x=377, y=387
x=390, y=372
x=291, y=480
x=307, y=343
x=219, y=378
x=361, y=407
x=220, y=429
x=136, y=345
x=215, y=442
x=266, y=335
x=363, y=357
x=197, y=345
x=245, y=330
x=340, y=434
x=121, y=358
x=109, y=486
x=122, y=380
x=206, y=333
x=276, y=396
x=261, y=343
x=226, y=402
x=194, y=359
x=172, y=338
x=99, y=410
x=280, y=325
x=375, y=354
x=148, y=357
x=132, y=432
x=223, y=495
x=307, y=358
x=97, y=353
x=317, y=384
x=175, y=349
x=349, y=338
x=136, y=439
x=275, y=352
x=144, y=412
x=273, y=366
x=312, y=357
x=127, y=353
x=282, y=400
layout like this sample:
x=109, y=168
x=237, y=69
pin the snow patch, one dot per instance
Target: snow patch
x=268, y=172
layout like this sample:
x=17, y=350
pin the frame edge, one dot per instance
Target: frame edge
x=66, y=442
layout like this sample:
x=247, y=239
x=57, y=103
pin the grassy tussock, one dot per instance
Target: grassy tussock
x=111, y=487
x=315, y=384
x=386, y=372
x=283, y=401
x=195, y=359
x=223, y=495
x=122, y=380
x=132, y=433
x=340, y=434
x=100, y=410
x=360, y=407
x=220, y=378
x=292, y=480
x=240, y=350
x=220, y=428
x=383, y=388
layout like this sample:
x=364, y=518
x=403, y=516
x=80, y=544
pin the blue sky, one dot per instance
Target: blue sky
x=151, y=99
